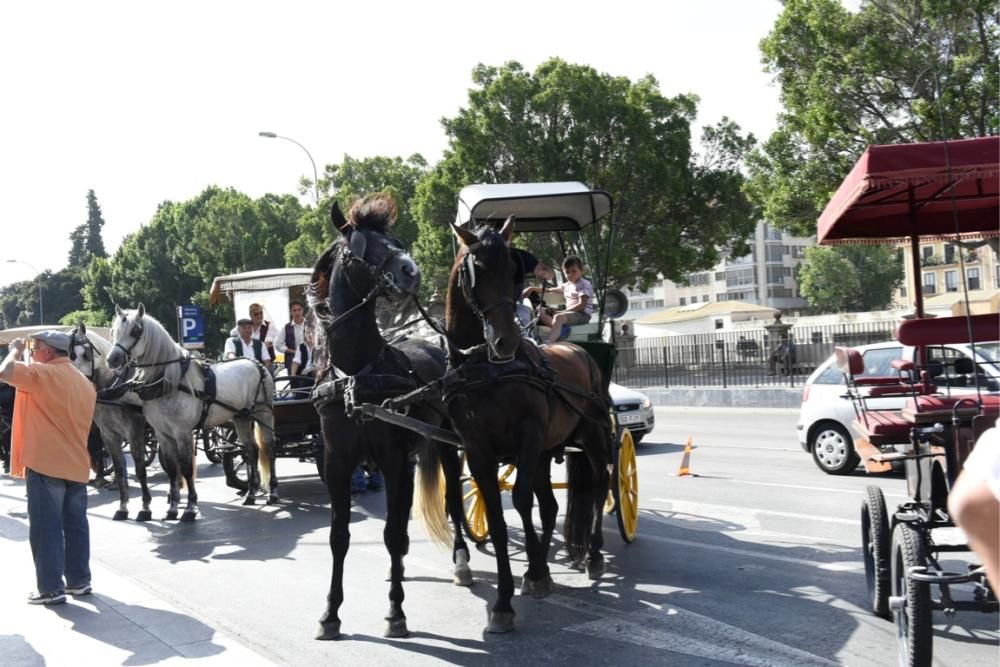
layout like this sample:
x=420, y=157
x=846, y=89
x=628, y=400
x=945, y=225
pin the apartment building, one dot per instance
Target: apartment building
x=764, y=277
x=943, y=266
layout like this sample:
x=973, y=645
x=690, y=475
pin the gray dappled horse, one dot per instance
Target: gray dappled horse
x=118, y=415
x=174, y=400
x=364, y=264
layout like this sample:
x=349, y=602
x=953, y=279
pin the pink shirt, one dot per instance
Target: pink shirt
x=574, y=293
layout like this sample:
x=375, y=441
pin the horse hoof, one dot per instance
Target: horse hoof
x=171, y=516
x=396, y=628
x=500, y=622
x=272, y=499
x=144, y=515
x=249, y=500
x=189, y=515
x=537, y=588
x=595, y=568
x=463, y=576
x=120, y=515
x=329, y=631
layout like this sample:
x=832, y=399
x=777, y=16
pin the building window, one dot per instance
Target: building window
x=718, y=324
x=951, y=281
x=775, y=275
x=972, y=278
x=773, y=253
x=771, y=234
x=926, y=252
x=949, y=254
x=930, y=283
x=683, y=301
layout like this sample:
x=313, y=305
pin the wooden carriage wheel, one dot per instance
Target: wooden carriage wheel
x=624, y=490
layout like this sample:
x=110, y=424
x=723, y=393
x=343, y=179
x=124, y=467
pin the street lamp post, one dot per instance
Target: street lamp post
x=272, y=135
x=38, y=279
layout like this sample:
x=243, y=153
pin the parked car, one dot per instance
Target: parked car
x=825, y=427
x=632, y=409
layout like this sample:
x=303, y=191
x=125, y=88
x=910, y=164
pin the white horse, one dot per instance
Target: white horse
x=175, y=402
x=118, y=415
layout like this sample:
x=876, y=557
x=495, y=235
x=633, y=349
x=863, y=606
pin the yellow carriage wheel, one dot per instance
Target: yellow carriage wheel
x=625, y=487
x=477, y=526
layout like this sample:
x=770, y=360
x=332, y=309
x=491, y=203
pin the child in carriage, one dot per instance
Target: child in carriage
x=579, y=295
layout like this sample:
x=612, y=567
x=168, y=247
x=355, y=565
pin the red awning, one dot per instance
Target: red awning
x=941, y=181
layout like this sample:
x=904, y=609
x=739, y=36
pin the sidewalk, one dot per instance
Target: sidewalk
x=121, y=623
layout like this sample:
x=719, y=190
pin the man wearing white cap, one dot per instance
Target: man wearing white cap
x=52, y=417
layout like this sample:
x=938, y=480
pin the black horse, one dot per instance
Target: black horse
x=361, y=367
x=512, y=401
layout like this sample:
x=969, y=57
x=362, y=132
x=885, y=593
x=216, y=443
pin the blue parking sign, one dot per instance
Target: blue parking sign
x=192, y=327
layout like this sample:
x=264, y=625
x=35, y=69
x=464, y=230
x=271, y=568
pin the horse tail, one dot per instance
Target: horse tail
x=263, y=455
x=430, y=495
x=579, y=524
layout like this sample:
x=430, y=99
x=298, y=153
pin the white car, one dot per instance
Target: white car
x=632, y=409
x=825, y=420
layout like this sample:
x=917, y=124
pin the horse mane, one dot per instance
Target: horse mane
x=377, y=211
x=161, y=349
x=100, y=343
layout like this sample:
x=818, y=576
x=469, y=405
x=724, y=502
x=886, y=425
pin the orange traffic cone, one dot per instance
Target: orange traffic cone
x=686, y=461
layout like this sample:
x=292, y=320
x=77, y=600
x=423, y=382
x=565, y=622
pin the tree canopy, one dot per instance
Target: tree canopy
x=86, y=240
x=837, y=279
x=676, y=211
x=896, y=71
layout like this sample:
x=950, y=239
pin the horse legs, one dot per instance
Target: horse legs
x=548, y=508
x=244, y=431
x=168, y=450
x=484, y=471
x=114, y=445
x=452, y=465
x=398, y=501
x=264, y=434
x=536, y=581
x=135, y=429
x=597, y=457
x=185, y=447
x=338, y=466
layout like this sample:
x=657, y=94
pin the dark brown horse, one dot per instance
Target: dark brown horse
x=367, y=263
x=510, y=400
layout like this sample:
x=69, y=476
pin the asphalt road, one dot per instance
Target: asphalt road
x=754, y=560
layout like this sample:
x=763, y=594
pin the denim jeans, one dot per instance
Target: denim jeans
x=58, y=531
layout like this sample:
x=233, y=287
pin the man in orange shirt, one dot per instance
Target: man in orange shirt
x=52, y=415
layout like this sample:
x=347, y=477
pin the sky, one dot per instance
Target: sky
x=151, y=101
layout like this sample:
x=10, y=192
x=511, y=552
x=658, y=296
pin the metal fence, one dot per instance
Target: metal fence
x=733, y=359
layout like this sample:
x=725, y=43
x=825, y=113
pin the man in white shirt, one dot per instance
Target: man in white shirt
x=245, y=345
x=260, y=329
x=293, y=335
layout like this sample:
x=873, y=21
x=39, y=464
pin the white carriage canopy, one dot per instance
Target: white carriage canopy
x=537, y=207
x=258, y=281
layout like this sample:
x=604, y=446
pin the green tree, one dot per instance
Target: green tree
x=837, y=279
x=677, y=211
x=896, y=71
x=86, y=240
x=353, y=179
x=173, y=259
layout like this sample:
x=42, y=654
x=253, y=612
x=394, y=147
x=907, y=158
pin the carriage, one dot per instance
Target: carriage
x=906, y=194
x=296, y=424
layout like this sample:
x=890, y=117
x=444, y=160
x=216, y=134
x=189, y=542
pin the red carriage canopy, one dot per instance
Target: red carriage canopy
x=897, y=192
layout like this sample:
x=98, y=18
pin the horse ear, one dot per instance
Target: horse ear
x=82, y=329
x=119, y=311
x=464, y=235
x=338, y=219
x=140, y=311
x=507, y=231
x=358, y=243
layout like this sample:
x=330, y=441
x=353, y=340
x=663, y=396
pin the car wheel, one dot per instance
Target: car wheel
x=832, y=449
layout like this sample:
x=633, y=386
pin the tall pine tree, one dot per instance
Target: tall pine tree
x=86, y=239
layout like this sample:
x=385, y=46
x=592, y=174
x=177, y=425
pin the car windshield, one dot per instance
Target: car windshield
x=989, y=351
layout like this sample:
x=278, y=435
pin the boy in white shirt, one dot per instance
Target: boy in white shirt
x=579, y=295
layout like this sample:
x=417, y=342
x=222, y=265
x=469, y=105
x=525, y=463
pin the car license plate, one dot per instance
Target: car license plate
x=630, y=419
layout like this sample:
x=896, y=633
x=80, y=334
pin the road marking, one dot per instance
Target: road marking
x=857, y=492
x=675, y=629
x=732, y=511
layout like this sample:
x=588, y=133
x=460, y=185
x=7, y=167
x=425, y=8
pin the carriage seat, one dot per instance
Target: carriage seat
x=580, y=332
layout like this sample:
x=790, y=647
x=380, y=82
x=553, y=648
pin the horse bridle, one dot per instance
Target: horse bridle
x=86, y=343
x=135, y=335
x=467, y=281
x=383, y=282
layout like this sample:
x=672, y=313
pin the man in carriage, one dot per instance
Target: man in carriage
x=244, y=344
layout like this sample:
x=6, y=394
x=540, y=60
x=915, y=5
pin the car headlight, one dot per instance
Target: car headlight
x=646, y=403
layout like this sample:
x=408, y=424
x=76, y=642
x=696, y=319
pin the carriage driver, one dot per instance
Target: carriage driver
x=260, y=328
x=237, y=346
